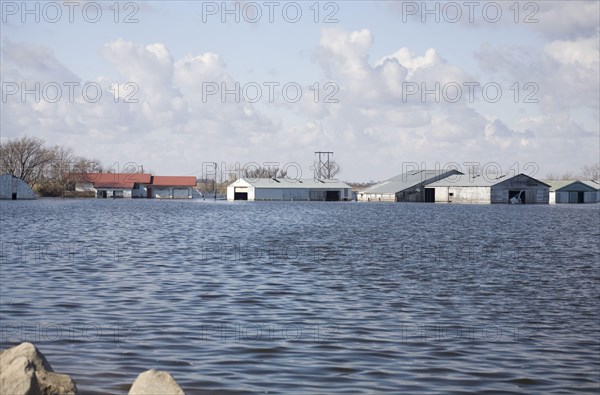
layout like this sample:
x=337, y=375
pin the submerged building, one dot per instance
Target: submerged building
x=171, y=187
x=135, y=185
x=573, y=191
x=13, y=188
x=406, y=187
x=469, y=188
x=305, y=189
x=113, y=185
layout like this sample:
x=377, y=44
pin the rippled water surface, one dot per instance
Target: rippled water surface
x=324, y=298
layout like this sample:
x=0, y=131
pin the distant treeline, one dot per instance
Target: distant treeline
x=590, y=172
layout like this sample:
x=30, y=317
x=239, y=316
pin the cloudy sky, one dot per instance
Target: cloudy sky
x=384, y=85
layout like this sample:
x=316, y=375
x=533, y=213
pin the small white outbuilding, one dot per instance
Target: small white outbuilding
x=14, y=188
x=305, y=189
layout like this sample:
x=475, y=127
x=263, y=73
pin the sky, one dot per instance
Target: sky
x=387, y=86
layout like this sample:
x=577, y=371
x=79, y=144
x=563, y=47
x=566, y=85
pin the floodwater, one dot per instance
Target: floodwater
x=290, y=297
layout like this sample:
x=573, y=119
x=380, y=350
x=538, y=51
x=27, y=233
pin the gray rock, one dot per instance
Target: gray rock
x=152, y=382
x=19, y=377
x=24, y=370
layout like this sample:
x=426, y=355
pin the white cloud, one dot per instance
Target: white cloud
x=412, y=62
x=27, y=60
x=566, y=72
x=372, y=128
x=169, y=119
x=552, y=19
x=568, y=19
x=375, y=122
x=583, y=51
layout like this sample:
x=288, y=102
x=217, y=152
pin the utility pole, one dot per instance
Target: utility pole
x=320, y=165
x=215, y=182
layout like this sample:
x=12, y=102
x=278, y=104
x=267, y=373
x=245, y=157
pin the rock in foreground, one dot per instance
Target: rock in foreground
x=152, y=382
x=25, y=371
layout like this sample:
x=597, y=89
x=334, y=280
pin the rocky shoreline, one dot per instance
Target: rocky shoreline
x=25, y=371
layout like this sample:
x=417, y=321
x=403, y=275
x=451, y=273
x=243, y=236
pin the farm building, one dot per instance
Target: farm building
x=114, y=185
x=172, y=187
x=573, y=191
x=307, y=189
x=14, y=188
x=135, y=185
x=406, y=187
x=469, y=188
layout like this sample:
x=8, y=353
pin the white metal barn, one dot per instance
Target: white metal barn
x=469, y=188
x=573, y=191
x=14, y=188
x=305, y=189
x=406, y=187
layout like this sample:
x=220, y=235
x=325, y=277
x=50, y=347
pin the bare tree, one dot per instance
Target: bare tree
x=57, y=173
x=64, y=171
x=83, y=165
x=591, y=172
x=25, y=158
x=264, y=172
x=331, y=169
x=49, y=171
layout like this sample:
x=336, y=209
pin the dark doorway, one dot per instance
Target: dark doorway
x=149, y=193
x=580, y=197
x=429, y=195
x=332, y=196
x=240, y=196
x=14, y=196
x=516, y=197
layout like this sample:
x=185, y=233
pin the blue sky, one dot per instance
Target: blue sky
x=170, y=52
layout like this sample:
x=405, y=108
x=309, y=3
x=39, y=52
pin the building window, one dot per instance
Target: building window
x=451, y=194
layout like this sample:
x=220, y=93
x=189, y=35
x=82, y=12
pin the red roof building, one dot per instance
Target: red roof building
x=171, y=187
x=115, y=180
x=135, y=185
x=174, y=181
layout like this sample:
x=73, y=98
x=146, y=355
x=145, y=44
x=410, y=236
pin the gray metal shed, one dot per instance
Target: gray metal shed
x=406, y=187
x=477, y=188
x=574, y=191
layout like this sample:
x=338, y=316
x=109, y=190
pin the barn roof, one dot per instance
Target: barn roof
x=556, y=185
x=126, y=180
x=407, y=180
x=591, y=183
x=304, y=183
x=114, y=178
x=477, y=180
x=174, y=181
